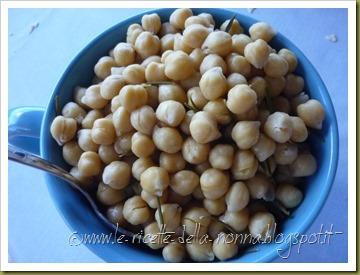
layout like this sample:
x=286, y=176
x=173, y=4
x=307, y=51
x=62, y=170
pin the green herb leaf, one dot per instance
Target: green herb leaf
x=229, y=25
x=160, y=211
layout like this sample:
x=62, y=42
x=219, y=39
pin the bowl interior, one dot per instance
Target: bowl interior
x=78, y=214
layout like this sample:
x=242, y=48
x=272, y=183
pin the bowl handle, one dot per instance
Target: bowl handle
x=24, y=128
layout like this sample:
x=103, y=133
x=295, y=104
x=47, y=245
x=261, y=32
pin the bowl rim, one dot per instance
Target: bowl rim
x=334, y=141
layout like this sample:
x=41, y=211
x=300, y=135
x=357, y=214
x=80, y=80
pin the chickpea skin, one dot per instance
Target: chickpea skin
x=171, y=92
x=134, y=74
x=214, y=183
x=200, y=252
x=136, y=211
x=197, y=97
x=215, y=207
x=115, y=214
x=239, y=41
x=264, y=148
x=170, y=112
x=155, y=72
x=312, y=113
x=107, y=153
x=194, y=152
x=237, y=198
x=117, y=175
x=184, y=182
x=241, y=99
x=172, y=162
x=238, y=64
x=121, y=121
x=140, y=165
x=194, y=35
x=276, y=66
x=152, y=237
x=212, y=60
x=111, y=86
x=85, y=141
x=218, y=109
x=235, y=79
x=246, y=134
x=155, y=180
x=235, y=28
x=260, y=187
x=221, y=156
x=290, y=58
x=300, y=132
x=102, y=68
x=63, y=129
x=93, y=98
x=285, y=153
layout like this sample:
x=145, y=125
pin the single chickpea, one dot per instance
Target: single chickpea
x=79, y=92
x=89, y=164
x=115, y=214
x=278, y=126
x=109, y=196
x=85, y=141
x=300, y=132
x=136, y=211
x=151, y=23
x=152, y=200
x=184, y=182
x=194, y=152
x=200, y=251
x=73, y=110
x=117, y=174
x=140, y=165
x=238, y=197
x=305, y=165
x=167, y=139
x=244, y=165
x=178, y=18
x=225, y=247
x=93, y=98
x=257, y=53
x=102, y=68
x=236, y=79
x=264, y=148
x=197, y=56
x=221, y=156
x=71, y=152
x=143, y=119
x=194, y=35
x=213, y=84
x=197, y=20
x=142, y=145
x=167, y=28
x=203, y=127
x=238, y=220
x=107, y=153
x=239, y=42
x=167, y=42
x=261, y=30
x=208, y=17
x=260, y=187
x=121, y=121
x=111, y=86
x=192, y=81
x=115, y=103
x=290, y=58
x=312, y=113
x=238, y=64
x=246, y=134
x=152, y=236
x=214, y=183
x=215, y=207
x=170, y=112
x=235, y=28
x=133, y=97
x=180, y=45
x=196, y=218
x=281, y=104
x=178, y=66
x=212, y=60
x=124, y=54
x=153, y=96
x=262, y=225
x=289, y=195
x=285, y=153
x=171, y=92
x=275, y=86
x=240, y=99
x=171, y=213
x=174, y=252
x=218, y=42
x=276, y=66
x=63, y=129
x=147, y=44
x=297, y=100
x=155, y=180
x=133, y=32
x=217, y=108
x=134, y=74
x=103, y=131
x=294, y=85
x=172, y=162
x=185, y=124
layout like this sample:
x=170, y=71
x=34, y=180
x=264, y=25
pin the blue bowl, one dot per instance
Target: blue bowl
x=76, y=211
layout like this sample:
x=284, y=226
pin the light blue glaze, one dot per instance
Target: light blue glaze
x=78, y=215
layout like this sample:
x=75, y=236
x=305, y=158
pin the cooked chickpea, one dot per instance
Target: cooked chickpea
x=143, y=119
x=217, y=108
x=117, y=174
x=185, y=124
x=238, y=220
x=257, y=53
x=278, y=126
x=73, y=110
x=260, y=187
x=85, y=141
x=275, y=86
x=155, y=180
x=155, y=72
x=235, y=28
x=184, y=182
x=285, y=153
x=142, y=145
x=117, y=70
x=178, y=66
x=300, y=132
x=240, y=99
x=174, y=252
x=63, y=129
x=133, y=32
x=107, y=153
x=297, y=100
x=214, y=183
x=93, y=98
x=102, y=68
x=103, y=131
x=197, y=56
x=194, y=35
x=244, y=165
x=171, y=92
x=264, y=148
x=152, y=200
x=294, y=85
x=115, y=103
x=197, y=20
x=208, y=17
x=170, y=112
x=203, y=127
x=178, y=18
x=212, y=60
x=235, y=79
x=109, y=196
x=276, y=66
x=79, y=92
x=262, y=225
x=134, y=74
x=124, y=54
x=136, y=211
x=171, y=212
x=115, y=214
x=172, y=162
x=196, y=218
x=289, y=195
x=239, y=42
x=246, y=134
x=218, y=42
x=200, y=251
x=147, y=44
x=167, y=139
x=225, y=247
x=237, y=198
x=167, y=28
x=89, y=164
x=152, y=237
x=71, y=152
x=215, y=207
x=151, y=22
x=179, y=44
x=213, y=83
x=312, y=113
x=238, y=64
x=305, y=165
x=133, y=97
x=197, y=97
x=194, y=152
x=290, y=58
x=111, y=86
x=261, y=30
x=221, y=156
x=121, y=121
x=140, y=165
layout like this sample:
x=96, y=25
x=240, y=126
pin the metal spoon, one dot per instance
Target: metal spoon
x=26, y=158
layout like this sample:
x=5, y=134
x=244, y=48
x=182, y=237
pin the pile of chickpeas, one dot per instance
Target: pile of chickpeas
x=210, y=123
